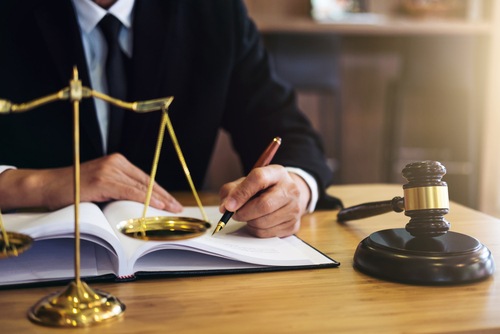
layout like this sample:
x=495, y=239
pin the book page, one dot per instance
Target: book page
x=232, y=243
x=53, y=260
x=42, y=225
x=60, y=224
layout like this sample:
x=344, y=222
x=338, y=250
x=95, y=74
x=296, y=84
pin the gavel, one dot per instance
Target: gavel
x=425, y=251
x=425, y=201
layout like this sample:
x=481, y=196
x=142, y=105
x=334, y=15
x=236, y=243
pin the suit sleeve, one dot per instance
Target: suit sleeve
x=260, y=107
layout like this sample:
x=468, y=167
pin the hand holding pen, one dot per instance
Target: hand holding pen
x=264, y=160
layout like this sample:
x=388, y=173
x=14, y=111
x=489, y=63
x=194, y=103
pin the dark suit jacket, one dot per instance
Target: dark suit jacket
x=207, y=54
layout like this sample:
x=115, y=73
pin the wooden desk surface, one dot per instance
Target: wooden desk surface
x=336, y=300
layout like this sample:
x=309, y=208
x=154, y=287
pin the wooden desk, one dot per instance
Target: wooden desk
x=338, y=300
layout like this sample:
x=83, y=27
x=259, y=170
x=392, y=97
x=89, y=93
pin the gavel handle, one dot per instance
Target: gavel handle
x=371, y=209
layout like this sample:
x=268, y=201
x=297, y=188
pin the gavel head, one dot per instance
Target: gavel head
x=426, y=199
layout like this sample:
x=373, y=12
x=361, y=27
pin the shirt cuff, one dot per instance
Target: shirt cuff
x=3, y=168
x=311, y=183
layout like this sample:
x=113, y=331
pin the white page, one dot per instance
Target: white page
x=52, y=255
x=60, y=224
x=53, y=259
x=231, y=243
x=181, y=260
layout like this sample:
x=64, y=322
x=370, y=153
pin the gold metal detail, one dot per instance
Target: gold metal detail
x=75, y=85
x=79, y=305
x=220, y=226
x=162, y=228
x=166, y=228
x=76, y=91
x=60, y=95
x=5, y=106
x=75, y=88
x=138, y=106
x=183, y=163
x=422, y=198
x=154, y=168
x=11, y=243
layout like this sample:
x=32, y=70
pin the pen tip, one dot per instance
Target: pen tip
x=219, y=227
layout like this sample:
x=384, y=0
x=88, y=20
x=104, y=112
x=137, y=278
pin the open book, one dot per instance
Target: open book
x=105, y=252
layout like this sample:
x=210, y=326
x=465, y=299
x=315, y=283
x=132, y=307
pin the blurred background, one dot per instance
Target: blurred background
x=388, y=82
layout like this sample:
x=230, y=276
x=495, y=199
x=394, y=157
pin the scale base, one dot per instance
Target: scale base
x=452, y=258
x=77, y=306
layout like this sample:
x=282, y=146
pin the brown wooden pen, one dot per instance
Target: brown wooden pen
x=264, y=160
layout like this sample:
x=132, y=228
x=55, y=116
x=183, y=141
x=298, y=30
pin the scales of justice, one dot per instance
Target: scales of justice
x=79, y=305
x=425, y=252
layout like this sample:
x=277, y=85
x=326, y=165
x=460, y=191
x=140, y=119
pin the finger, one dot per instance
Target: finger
x=114, y=177
x=266, y=207
x=128, y=170
x=225, y=190
x=126, y=191
x=257, y=180
x=165, y=201
x=284, y=229
x=160, y=198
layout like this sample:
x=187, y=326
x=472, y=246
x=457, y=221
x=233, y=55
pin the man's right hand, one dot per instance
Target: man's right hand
x=111, y=177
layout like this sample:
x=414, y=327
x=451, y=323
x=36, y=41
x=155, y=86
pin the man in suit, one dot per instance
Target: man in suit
x=207, y=54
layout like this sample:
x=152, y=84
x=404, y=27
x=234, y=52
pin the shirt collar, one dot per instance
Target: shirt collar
x=89, y=14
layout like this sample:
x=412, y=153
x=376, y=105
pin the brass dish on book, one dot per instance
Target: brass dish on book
x=162, y=228
x=14, y=244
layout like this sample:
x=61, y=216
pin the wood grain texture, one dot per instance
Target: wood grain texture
x=337, y=300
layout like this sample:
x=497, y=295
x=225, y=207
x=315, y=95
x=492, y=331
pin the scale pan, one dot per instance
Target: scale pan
x=18, y=243
x=161, y=228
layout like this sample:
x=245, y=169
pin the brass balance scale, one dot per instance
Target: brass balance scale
x=79, y=305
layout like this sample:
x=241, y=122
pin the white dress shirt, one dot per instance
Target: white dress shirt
x=89, y=15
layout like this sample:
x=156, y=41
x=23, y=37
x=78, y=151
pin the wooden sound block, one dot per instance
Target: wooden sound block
x=452, y=258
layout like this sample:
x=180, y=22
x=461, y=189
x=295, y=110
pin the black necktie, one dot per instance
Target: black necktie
x=116, y=74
